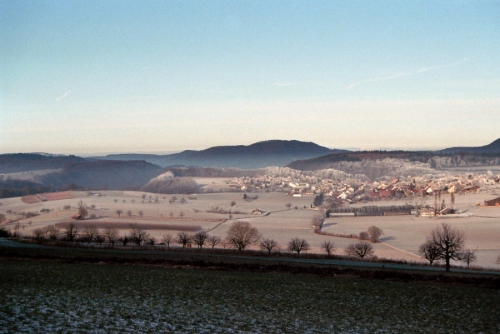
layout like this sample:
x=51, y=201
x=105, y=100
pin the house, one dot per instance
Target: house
x=447, y=211
x=469, y=189
x=493, y=202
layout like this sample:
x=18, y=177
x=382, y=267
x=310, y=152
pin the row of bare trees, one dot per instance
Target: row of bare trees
x=72, y=232
x=239, y=236
x=242, y=234
x=445, y=243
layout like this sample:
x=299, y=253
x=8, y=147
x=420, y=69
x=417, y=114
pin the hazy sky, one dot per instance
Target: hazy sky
x=153, y=76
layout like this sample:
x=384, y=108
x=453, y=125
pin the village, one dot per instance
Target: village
x=418, y=192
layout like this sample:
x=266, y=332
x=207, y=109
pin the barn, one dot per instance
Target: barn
x=493, y=202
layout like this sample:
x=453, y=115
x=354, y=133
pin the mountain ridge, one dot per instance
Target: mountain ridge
x=256, y=155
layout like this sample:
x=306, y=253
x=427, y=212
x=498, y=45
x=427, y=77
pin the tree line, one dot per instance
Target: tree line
x=444, y=243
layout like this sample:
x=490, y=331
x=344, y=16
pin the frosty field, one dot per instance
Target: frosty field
x=401, y=239
x=79, y=298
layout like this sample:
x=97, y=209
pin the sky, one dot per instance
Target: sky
x=97, y=77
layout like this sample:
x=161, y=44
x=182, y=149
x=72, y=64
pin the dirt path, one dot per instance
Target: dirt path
x=401, y=250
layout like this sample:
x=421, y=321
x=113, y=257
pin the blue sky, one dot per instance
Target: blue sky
x=87, y=77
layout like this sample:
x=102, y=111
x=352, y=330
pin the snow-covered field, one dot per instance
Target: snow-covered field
x=401, y=239
x=53, y=297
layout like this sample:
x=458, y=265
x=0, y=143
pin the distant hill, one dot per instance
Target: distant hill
x=72, y=173
x=494, y=147
x=262, y=154
x=330, y=160
x=22, y=162
x=103, y=175
x=402, y=162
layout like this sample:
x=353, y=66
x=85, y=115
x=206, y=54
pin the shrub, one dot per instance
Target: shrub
x=364, y=235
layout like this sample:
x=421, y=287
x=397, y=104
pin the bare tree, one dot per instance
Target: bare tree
x=329, y=203
x=82, y=209
x=141, y=213
x=181, y=214
x=317, y=221
x=129, y=213
x=52, y=232
x=119, y=212
x=419, y=203
x=183, y=201
x=449, y=242
x=167, y=239
x=200, y=238
x=360, y=249
x=429, y=251
x=38, y=234
x=138, y=235
x=71, y=231
x=183, y=238
x=17, y=227
x=214, y=241
x=233, y=203
x=298, y=245
x=124, y=240
x=328, y=246
x=375, y=233
x=111, y=234
x=89, y=233
x=268, y=244
x=151, y=241
x=468, y=256
x=288, y=205
x=99, y=239
x=241, y=234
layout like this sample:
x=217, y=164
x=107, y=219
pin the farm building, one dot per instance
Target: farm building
x=493, y=202
x=469, y=189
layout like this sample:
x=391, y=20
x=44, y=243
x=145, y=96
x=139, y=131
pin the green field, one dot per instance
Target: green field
x=57, y=297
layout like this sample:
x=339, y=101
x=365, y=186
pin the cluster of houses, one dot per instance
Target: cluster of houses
x=355, y=191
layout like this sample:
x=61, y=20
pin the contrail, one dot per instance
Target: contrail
x=60, y=98
x=403, y=74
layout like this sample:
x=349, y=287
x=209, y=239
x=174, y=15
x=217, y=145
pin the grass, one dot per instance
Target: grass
x=47, y=296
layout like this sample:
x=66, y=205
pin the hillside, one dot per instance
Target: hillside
x=376, y=164
x=22, y=162
x=103, y=175
x=327, y=161
x=258, y=155
x=493, y=147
